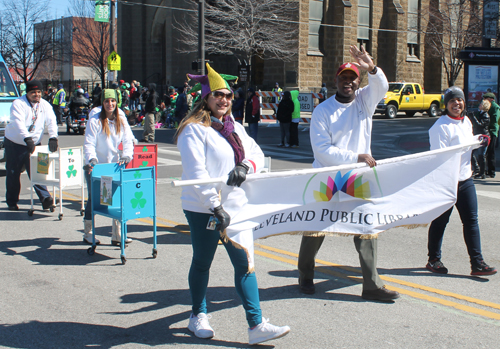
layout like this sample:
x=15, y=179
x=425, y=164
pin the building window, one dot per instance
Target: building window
x=364, y=15
x=413, y=29
x=315, y=18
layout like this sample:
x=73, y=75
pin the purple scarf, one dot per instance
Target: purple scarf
x=226, y=130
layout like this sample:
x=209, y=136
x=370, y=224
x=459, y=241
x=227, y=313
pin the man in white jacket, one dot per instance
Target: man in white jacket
x=29, y=115
x=341, y=134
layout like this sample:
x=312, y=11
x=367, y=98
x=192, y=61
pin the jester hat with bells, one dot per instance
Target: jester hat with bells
x=213, y=81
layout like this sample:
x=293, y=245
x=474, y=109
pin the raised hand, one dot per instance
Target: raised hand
x=363, y=59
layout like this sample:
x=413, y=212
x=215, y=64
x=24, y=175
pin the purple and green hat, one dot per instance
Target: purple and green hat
x=213, y=81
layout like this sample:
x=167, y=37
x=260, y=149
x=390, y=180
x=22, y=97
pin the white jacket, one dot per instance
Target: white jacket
x=21, y=118
x=341, y=131
x=206, y=154
x=447, y=132
x=104, y=148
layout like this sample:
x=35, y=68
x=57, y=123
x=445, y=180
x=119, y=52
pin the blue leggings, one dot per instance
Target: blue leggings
x=204, y=244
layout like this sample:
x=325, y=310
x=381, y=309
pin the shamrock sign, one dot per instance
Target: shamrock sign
x=137, y=174
x=145, y=149
x=144, y=164
x=138, y=200
x=71, y=171
x=70, y=152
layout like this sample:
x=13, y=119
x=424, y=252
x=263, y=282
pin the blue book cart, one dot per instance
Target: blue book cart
x=133, y=196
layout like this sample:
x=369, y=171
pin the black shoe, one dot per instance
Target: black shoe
x=480, y=176
x=382, y=294
x=307, y=286
x=13, y=207
x=281, y=145
x=490, y=175
x=47, y=203
x=436, y=266
x=483, y=269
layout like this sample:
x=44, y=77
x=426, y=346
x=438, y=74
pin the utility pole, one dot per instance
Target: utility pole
x=201, y=35
x=112, y=31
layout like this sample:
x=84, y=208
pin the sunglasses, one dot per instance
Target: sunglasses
x=220, y=95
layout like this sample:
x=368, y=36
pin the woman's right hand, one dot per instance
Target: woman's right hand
x=90, y=165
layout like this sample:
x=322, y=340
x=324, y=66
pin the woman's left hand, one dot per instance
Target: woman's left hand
x=124, y=160
x=237, y=175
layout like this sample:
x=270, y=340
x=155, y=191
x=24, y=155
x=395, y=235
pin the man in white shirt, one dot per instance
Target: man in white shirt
x=341, y=134
x=29, y=115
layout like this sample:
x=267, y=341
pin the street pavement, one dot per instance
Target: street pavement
x=55, y=295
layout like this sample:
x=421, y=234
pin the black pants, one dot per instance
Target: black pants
x=294, y=133
x=58, y=112
x=490, y=155
x=17, y=156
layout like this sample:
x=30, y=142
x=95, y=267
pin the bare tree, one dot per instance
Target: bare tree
x=244, y=28
x=23, y=52
x=452, y=25
x=91, y=39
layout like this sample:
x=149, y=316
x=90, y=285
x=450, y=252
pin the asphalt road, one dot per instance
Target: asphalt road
x=54, y=295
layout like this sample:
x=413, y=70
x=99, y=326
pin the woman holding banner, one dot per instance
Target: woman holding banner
x=212, y=145
x=453, y=129
x=105, y=131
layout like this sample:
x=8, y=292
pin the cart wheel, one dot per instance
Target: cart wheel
x=52, y=208
x=60, y=216
x=91, y=250
x=30, y=212
x=124, y=259
x=82, y=212
x=155, y=252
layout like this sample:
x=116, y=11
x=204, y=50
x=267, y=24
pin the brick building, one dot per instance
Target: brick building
x=391, y=30
x=65, y=65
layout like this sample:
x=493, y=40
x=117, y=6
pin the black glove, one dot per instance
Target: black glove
x=223, y=219
x=237, y=175
x=53, y=144
x=30, y=144
x=124, y=160
x=90, y=165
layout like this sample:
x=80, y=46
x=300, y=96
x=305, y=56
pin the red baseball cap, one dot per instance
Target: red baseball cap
x=347, y=66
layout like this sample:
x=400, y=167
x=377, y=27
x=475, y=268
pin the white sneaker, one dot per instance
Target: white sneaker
x=200, y=327
x=265, y=332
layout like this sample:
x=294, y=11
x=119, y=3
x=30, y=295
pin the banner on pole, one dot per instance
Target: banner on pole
x=102, y=11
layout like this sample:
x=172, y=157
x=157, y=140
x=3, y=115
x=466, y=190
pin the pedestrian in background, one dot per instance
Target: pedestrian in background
x=294, y=126
x=284, y=116
x=494, y=113
x=59, y=103
x=238, y=106
x=212, y=145
x=452, y=128
x=252, y=113
x=324, y=93
x=480, y=126
x=150, y=116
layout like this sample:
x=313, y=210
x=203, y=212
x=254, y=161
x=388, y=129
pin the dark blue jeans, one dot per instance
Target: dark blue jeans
x=253, y=130
x=17, y=156
x=204, y=244
x=467, y=208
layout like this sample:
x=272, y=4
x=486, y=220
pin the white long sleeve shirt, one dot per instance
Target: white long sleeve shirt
x=104, y=148
x=23, y=115
x=207, y=154
x=341, y=131
x=447, y=132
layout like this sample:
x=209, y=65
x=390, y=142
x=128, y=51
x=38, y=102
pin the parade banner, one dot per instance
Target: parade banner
x=352, y=199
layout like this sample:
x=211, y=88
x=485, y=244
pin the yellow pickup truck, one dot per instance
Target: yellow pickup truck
x=410, y=98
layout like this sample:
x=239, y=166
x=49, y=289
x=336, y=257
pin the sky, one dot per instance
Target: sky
x=58, y=8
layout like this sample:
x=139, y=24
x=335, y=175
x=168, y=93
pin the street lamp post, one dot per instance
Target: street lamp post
x=201, y=35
